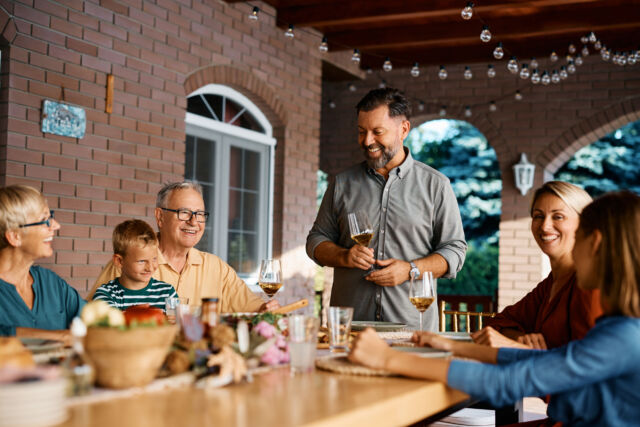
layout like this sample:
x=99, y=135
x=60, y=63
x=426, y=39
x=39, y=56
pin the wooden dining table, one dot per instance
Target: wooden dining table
x=275, y=398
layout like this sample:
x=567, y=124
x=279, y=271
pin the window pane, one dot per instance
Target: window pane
x=251, y=170
x=235, y=210
x=206, y=243
x=247, y=121
x=243, y=255
x=215, y=102
x=205, y=159
x=196, y=106
x=188, y=164
x=250, y=261
x=235, y=168
x=231, y=109
x=250, y=212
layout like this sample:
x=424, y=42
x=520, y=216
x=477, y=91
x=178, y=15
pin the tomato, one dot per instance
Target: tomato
x=144, y=314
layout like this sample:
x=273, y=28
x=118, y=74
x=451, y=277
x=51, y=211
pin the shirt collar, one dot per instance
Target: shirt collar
x=402, y=170
x=194, y=257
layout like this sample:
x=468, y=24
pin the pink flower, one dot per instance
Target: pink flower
x=271, y=356
x=284, y=355
x=281, y=342
x=265, y=329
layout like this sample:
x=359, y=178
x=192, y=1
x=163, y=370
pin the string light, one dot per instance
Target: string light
x=467, y=111
x=493, y=107
x=555, y=77
x=584, y=39
x=289, y=33
x=545, y=79
x=569, y=58
x=578, y=60
x=415, y=70
x=443, y=111
x=467, y=12
x=442, y=74
x=387, y=66
x=369, y=70
x=491, y=72
x=421, y=106
x=498, y=52
x=512, y=66
x=518, y=96
x=563, y=73
x=355, y=57
x=631, y=58
x=535, y=77
x=382, y=84
x=253, y=16
x=585, y=50
x=468, y=74
x=592, y=37
x=524, y=72
x=352, y=87
x=605, y=53
x=554, y=56
x=324, y=45
x=485, y=35
x=597, y=45
x=572, y=48
x=332, y=104
x=534, y=63
x=571, y=67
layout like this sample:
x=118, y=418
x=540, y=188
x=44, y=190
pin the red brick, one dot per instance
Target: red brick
x=59, y=161
x=98, y=11
x=96, y=64
x=58, y=188
x=75, y=204
x=46, y=34
x=120, y=196
x=112, y=30
x=132, y=185
x=104, y=206
x=66, y=27
x=120, y=171
x=88, y=245
x=64, y=54
x=132, y=209
x=90, y=192
x=105, y=181
x=89, y=218
x=31, y=15
x=82, y=47
x=75, y=177
x=104, y=233
x=86, y=21
x=64, y=257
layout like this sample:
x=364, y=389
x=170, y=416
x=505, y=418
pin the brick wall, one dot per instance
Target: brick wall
x=158, y=52
x=550, y=124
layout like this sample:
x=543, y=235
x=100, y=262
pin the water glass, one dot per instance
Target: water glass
x=339, y=324
x=171, y=305
x=303, y=337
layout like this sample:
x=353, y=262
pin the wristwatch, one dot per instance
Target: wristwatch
x=414, y=273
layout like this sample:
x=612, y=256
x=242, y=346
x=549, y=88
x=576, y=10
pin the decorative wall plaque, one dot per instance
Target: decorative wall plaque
x=63, y=119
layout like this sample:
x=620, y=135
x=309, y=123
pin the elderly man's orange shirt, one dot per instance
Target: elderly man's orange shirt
x=566, y=317
x=204, y=275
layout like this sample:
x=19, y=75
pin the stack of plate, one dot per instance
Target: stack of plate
x=33, y=403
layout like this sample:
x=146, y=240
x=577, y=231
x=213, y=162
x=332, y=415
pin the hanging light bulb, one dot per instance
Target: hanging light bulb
x=563, y=73
x=584, y=39
x=493, y=107
x=289, y=33
x=524, y=72
x=485, y=35
x=415, y=70
x=623, y=59
x=498, y=52
x=468, y=74
x=545, y=79
x=443, y=73
x=571, y=68
x=535, y=77
x=597, y=45
x=572, y=48
x=638, y=55
x=421, y=106
x=512, y=66
x=631, y=58
x=554, y=56
x=324, y=45
x=467, y=12
x=555, y=77
x=352, y=87
x=382, y=84
x=467, y=111
x=491, y=72
x=614, y=59
x=592, y=37
x=578, y=60
x=605, y=53
x=533, y=63
x=332, y=104
x=585, y=50
x=518, y=96
x=369, y=70
x=355, y=57
x=387, y=66
x=253, y=16
x=569, y=58
x=443, y=111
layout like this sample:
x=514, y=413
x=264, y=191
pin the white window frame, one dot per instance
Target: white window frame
x=201, y=127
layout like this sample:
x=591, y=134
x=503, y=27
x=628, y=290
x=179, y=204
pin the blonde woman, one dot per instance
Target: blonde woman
x=34, y=301
x=592, y=381
x=556, y=311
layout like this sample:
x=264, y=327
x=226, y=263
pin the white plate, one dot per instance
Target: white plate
x=39, y=345
x=361, y=325
x=424, y=351
x=459, y=336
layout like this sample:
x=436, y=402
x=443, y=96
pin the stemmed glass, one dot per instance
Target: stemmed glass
x=421, y=293
x=270, y=277
x=361, y=230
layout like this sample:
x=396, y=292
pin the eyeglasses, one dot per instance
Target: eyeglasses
x=46, y=222
x=186, y=214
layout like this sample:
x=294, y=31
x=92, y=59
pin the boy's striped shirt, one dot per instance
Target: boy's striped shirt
x=122, y=298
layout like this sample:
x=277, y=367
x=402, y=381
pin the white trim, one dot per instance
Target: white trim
x=233, y=94
x=205, y=122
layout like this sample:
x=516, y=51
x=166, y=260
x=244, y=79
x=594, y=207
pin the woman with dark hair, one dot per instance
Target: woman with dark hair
x=592, y=381
x=34, y=301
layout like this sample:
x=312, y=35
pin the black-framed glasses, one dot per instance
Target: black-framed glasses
x=186, y=214
x=46, y=222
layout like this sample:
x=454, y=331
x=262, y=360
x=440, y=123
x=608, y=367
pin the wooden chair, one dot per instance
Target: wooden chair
x=486, y=301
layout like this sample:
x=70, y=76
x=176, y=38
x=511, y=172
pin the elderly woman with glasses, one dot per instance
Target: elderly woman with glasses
x=34, y=301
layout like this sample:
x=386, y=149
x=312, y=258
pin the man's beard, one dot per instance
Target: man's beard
x=380, y=162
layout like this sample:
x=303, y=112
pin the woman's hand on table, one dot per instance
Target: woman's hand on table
x=492, y=338
x=430, y=339
x=369, y=350
x=535, y=341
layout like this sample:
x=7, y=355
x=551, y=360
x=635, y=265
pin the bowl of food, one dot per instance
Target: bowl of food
x=127, y=350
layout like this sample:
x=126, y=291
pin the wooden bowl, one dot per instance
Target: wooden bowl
x=129, y=358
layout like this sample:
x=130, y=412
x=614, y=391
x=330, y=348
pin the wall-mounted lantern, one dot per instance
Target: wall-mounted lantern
x=523, y=172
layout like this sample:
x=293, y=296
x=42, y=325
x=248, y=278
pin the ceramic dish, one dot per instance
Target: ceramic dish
x=459, y=336
x=39, y=345
x=424, y=351
x=360, y=325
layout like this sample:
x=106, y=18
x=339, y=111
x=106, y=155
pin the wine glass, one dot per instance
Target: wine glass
x=270, y=277
x=421, y=293
x=361, y=230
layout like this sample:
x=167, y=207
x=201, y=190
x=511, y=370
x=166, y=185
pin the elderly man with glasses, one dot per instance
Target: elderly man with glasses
x=181, y=217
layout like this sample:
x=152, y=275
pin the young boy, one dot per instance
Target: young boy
x=135, y=248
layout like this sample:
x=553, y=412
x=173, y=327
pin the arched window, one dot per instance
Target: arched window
x=230, y=152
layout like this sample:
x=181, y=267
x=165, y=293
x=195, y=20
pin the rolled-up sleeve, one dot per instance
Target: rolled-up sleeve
x=448, y=231
x=325, y=227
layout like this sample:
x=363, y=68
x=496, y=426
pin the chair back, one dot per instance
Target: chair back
x=470, y=316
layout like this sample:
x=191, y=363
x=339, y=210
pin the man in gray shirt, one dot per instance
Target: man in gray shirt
x=413, y=211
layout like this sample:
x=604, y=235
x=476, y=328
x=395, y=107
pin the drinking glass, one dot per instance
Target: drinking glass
x=270, y=277
x=361, y=231
x=303, y=337
x=421, y=293
x=171, y=305
x=339, y=325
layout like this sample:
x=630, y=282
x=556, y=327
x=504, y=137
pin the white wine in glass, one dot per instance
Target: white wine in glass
x=270, y=277
x=361, y=230
x=421, y=293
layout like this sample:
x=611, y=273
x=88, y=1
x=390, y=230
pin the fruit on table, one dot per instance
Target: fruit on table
x=99, y=313
x=144, y=315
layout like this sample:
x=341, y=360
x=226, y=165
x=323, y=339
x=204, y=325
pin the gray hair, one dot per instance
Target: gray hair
x=168, y=189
